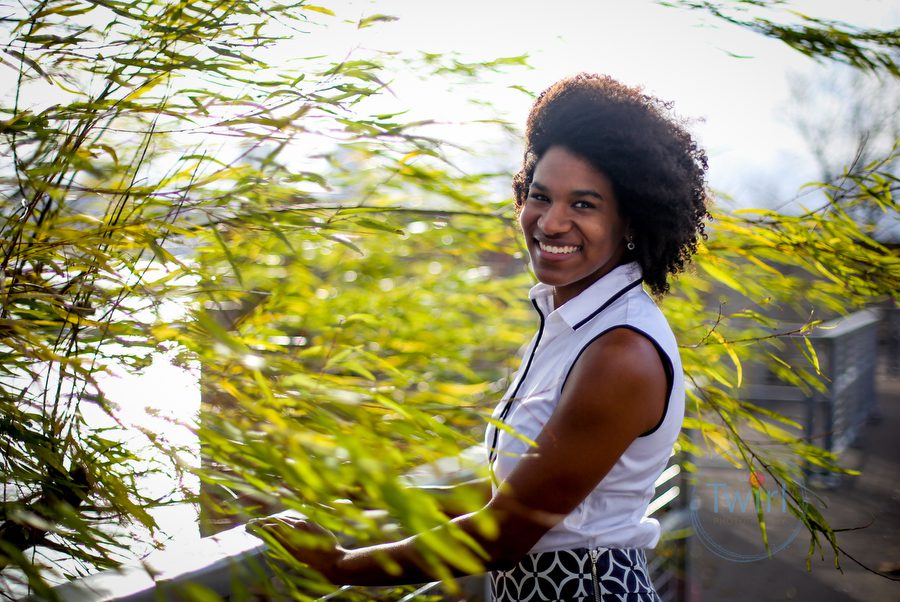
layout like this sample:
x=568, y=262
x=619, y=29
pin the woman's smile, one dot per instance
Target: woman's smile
x=550, y=250
x=571, y=222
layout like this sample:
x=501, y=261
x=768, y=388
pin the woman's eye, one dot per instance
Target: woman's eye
x=537, y=197
x=583, y=205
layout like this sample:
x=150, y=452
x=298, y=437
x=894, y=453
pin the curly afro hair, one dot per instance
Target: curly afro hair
x=657, y=169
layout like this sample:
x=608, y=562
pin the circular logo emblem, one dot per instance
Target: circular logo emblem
x=726, y=512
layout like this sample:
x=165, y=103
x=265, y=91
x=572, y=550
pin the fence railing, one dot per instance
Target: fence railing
x=846, y=349
x=214, y=564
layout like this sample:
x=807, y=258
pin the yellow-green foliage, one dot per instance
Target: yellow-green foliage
x=355, y=301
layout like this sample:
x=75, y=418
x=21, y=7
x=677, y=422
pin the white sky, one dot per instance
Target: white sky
x=685, y=56
x=739, y=106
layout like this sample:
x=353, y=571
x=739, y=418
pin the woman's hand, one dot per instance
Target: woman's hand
x=308, y=542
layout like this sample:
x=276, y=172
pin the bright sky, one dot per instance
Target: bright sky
x=685, y=56
x=733, y=84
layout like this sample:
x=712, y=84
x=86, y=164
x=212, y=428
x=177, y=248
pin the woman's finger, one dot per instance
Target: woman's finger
x=294, y=532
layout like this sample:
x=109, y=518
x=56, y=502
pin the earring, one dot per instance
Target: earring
x=629, y=243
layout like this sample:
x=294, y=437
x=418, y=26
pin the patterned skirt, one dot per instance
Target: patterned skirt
x=599, y=575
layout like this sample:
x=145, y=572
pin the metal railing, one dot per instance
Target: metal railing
x=215, y=564
x=846, y=349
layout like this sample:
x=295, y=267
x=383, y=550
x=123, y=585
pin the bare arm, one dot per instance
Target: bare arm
x=616, y=391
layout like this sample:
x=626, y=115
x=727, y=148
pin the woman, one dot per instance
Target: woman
x=611, y=195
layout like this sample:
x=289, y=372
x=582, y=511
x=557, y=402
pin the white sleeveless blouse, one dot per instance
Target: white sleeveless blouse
x=612, y=515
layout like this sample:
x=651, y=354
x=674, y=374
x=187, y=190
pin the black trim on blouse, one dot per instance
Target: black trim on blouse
x=492, y=452
x=666, y=361
x=609, y=302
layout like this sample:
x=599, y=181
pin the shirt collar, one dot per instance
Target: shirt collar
x=591, y=300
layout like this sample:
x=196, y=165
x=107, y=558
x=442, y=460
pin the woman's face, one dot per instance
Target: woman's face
x=571, y=223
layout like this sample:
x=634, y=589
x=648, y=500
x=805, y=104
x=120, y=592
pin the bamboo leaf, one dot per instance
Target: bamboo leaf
x=319, y=9
x=373, y=19
x=28, y=61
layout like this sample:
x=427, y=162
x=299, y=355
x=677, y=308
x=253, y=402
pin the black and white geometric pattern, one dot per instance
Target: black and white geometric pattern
x=566, y=576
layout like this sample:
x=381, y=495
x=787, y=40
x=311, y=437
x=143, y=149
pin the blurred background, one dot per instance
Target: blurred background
x=262, y=255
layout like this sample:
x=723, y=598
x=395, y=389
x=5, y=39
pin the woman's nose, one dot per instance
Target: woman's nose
x=554, y=220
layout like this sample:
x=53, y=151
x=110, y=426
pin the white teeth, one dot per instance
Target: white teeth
x=559, y=250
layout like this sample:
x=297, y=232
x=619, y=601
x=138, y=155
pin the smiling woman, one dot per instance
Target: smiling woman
x=652, y=169
x=571, y=223
x=611, y=194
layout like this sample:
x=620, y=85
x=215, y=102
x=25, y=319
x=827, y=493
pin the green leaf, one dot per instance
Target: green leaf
x=319, y=9
x=373, y=19
x=28, y=61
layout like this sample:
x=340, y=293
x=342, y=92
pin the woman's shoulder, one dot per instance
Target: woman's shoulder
x=624, y=368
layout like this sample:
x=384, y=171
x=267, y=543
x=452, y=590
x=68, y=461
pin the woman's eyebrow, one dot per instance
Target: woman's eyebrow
x=592, y=193
x=587, y=192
